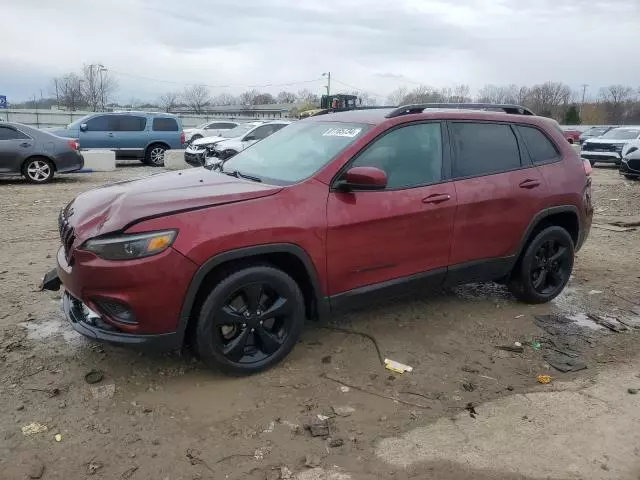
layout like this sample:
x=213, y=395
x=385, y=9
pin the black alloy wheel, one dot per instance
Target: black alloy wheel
x=545, y=267
x=250, y=321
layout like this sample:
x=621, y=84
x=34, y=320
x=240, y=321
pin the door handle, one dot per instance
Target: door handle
x=25, y=144
x=529, y=183
x=110, y=134
x=437, y=198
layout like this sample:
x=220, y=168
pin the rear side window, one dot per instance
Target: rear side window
x=221, y=126
x=484, y=149
x=411, y=156
x=131, y=123
x=165, y=125
x=7, y=133
x=540, y=148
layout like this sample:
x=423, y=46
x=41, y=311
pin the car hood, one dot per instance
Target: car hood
x=608, y=141
x=114, y=207
x=234, y=143
x=207, y=141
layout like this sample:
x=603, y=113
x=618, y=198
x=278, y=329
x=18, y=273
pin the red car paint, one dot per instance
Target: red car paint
x=353, y=240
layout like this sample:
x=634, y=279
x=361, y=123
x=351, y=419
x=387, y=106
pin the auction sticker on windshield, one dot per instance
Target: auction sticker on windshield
x=342, y=132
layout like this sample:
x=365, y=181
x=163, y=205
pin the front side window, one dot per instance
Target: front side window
x=296, y=152
x=260, y=133
x=410, y=156
x=237, y=131
x=483, y=149
x=540, y=148
x=7, y=133
x=102, y=123
x=131, y=123
x=165, y=125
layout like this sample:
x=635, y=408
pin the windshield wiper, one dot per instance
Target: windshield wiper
x=237, y=174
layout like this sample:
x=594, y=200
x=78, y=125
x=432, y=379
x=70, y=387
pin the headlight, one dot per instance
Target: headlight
x=129, y=247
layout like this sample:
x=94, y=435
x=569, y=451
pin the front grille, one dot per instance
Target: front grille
x=67, y=235
x=601, y=147
x=634, y=164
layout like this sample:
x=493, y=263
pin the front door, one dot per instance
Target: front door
x=100, y=132
x=398, y=234
x=14, y=146
x=132, y=138
x=497, y=189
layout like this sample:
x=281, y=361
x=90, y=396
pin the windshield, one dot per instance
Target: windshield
x=77, y=123
x=295, y=152
x=238, y=131
x=622, y=134
x=596, y=132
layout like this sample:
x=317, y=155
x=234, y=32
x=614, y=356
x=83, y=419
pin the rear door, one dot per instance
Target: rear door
x=14, y=147
x=498, y=190
x=403, y=230
x=101, y=132
x=132, y=136
x=166, y=130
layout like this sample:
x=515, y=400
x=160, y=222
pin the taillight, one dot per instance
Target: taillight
x=182, y=139
x=74, y=144
x=587, y=166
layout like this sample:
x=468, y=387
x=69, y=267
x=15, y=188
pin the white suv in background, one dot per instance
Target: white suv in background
x=198, y=150
x=228, y=148
x=208, y=129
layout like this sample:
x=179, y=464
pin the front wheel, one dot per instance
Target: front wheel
x=38, y=170
x=250, y=321
x=630, y=177
x=545, y=267
x=154, y=155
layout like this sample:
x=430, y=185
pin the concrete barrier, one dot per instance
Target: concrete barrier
x=174, y=160
x=577, y=148
x=99, y=160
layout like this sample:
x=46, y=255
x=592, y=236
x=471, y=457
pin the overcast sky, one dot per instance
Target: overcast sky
x=374, y=45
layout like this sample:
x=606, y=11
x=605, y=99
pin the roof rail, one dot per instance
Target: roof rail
x=324, y=111
x=421, y=107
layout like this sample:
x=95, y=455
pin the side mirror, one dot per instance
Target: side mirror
x=83, y=127
x=362, y=178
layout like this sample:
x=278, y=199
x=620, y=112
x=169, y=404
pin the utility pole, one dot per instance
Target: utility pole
x=102, y=69
x=584, y=91
x=328, y=86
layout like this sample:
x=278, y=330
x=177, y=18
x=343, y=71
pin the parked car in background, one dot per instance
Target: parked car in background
x=630, y=166
x=208, y=129
x=608, y=147
x=197, y=152
x=572, y=135
x=332, y=212
x=232, y=146
x=36, y=155
x=594, y=132
x=142, y=135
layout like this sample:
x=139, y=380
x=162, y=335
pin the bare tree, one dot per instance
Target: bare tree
x=168, y=101
x=196, y=97
x=263, y=99
x=396, y=97
x=68, y=90
x=456, y=94
x=423, y=94
x=248, y=97
x=97, y=85
x=307, y=96
x=617, y=99
x=224, y=99
x=286, y=97
x=546, y=97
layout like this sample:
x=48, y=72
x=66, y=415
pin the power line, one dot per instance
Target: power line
x=140, y=77
x=359, y=89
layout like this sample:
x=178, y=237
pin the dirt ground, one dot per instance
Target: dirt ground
x=167, y=417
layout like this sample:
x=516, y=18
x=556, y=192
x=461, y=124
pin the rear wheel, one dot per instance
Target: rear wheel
x=545, y=267
x=250, y=321
x=154, y=155
x=630, y=177
x=38, y=170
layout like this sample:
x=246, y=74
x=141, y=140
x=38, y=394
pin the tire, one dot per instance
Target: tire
x=38, y=170
x=154, y=156
x=630, y=177
x=592, y=162
x=250, y=340
x=538, y=258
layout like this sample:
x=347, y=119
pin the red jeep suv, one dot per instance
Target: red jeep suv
x=330, y=212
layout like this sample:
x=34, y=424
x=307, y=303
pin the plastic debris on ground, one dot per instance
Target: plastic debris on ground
x=396, y=366
x=544, y=379
x=58, y=437
x=34, y=428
